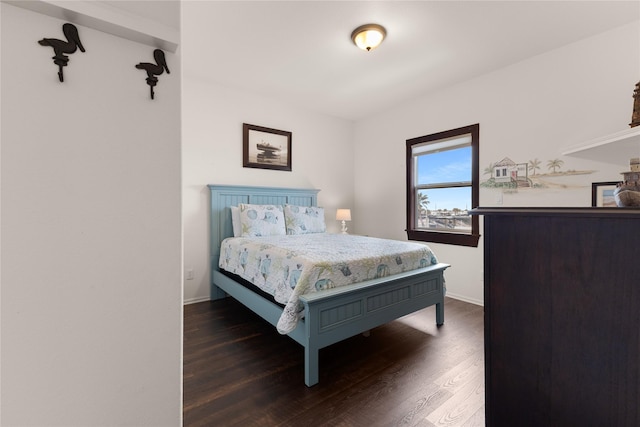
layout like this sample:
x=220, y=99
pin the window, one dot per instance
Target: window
x=442, y=185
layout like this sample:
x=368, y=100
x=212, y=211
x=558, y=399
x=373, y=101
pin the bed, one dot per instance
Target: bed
x=334, y=314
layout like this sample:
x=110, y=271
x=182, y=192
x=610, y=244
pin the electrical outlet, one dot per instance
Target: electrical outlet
x=189, y=274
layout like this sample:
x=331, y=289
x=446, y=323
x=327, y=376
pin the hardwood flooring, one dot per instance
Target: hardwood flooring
x=238, y=371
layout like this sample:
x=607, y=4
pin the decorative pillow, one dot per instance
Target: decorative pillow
x=235, y=221
x=304, y=219
x=261, y=220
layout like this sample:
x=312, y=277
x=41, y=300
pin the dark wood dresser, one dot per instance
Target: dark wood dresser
x=562, y=316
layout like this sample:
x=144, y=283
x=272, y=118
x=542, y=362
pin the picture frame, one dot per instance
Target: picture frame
x=602, y=194
x=266, y=148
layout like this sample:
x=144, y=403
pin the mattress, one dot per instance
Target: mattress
x=288, y=266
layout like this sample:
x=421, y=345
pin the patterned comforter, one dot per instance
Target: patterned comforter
x=292, y=265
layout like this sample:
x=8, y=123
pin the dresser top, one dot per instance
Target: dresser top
x=558, y=211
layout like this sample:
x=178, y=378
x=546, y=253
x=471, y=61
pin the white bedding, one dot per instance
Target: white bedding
x=292, y=265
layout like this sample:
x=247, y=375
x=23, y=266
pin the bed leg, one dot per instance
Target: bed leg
x=217, y=293
x=310, y=366
x=440, y=313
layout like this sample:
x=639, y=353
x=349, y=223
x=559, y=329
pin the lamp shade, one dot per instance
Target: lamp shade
x=343, y=215
x=368, y=36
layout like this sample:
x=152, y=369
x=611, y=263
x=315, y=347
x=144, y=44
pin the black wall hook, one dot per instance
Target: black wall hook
x=61, y=47
x=154, y=70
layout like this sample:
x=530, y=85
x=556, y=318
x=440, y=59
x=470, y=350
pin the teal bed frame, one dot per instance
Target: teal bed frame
x=332, y=315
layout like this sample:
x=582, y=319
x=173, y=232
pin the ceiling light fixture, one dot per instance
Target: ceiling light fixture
x=368, y=36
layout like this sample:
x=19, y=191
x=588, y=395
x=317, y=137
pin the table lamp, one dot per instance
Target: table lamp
x=343, y=215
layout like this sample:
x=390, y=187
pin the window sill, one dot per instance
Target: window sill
x=458, y=239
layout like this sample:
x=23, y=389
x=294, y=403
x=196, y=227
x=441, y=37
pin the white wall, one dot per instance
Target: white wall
x=322, y=158
x=91, y=232
x=528, y=110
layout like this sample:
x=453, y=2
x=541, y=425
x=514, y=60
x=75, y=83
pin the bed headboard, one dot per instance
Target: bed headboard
x=224, y=196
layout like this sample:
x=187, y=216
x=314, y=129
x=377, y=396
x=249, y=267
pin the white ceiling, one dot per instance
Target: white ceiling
x=301, y=53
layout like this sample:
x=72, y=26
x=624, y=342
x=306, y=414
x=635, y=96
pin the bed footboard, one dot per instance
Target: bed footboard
x=337, y=314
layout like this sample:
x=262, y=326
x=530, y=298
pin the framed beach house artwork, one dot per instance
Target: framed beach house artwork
x=266, y=148
x=602, y=194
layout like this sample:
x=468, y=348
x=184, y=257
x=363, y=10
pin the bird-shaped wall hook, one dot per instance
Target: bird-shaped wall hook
x=154, y=70
x=61, y=47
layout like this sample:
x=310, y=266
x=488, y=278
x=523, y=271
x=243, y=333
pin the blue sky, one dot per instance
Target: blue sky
x=447, y=166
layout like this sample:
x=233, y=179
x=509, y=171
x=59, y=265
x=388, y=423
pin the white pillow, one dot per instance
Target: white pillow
x=235, y=221
x=304, y=219
x=261, y=220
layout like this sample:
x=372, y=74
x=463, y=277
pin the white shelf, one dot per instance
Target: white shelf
x=102, y=17
x=616, y=148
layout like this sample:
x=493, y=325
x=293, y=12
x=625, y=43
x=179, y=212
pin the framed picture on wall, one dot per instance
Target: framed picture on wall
x=266, y=148
x=602, y=194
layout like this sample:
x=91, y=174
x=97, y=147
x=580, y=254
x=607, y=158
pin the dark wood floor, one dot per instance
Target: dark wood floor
x=239, y=371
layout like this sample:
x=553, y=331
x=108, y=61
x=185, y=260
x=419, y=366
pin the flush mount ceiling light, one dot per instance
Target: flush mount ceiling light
x=368, y=36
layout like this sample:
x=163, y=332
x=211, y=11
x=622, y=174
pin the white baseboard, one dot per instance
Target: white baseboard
x=195, y=300
x=465, y=299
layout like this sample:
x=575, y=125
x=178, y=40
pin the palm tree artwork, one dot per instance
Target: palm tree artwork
x=555, y=164
x=534, y=165
x=489, y=169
